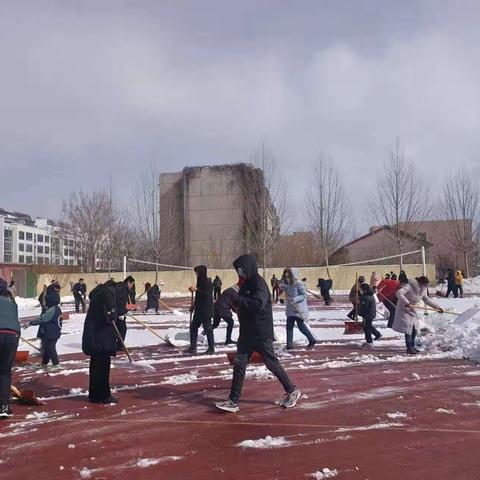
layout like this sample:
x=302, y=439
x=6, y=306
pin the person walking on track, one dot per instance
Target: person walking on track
x=253, y=304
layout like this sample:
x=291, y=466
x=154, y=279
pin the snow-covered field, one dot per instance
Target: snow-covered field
x=443, y=336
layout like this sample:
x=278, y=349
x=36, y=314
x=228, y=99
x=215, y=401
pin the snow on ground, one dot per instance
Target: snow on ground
x=267, y=442
x=324, y=473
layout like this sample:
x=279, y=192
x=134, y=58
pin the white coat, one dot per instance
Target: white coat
x=406, y=318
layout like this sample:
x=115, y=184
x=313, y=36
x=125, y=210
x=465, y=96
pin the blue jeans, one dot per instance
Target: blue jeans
x=302, y=327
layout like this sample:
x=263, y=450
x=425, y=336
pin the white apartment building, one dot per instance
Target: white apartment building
x=38, y=241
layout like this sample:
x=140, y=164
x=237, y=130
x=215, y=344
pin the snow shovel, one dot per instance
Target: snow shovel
x=466, y=315
x=21, y=356
x=254, y=358
x=122, y=343
x=28, y=342
x=27, y=397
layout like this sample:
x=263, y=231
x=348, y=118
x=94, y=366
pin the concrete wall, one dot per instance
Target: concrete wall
x=179, y=281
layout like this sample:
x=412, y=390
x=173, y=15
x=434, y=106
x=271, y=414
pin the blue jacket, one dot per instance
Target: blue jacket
x=296, y=294
x=50, y=324
x=8, y=315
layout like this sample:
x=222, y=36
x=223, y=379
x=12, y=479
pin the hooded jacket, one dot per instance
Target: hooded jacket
x=203, y=293
x=459, y=278
x=223, y=306
x=153, y=296
x=367, y=308
x=98, y=332
x=296, y=302
x=253, y=303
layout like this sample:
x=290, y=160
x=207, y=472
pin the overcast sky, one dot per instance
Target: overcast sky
x=92, y=87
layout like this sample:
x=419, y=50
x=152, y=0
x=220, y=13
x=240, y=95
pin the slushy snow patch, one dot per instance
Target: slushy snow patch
x=415, y=376
x=324, y=473
x=267, y=442
x=181, y=379
x=148, y=462
x=394, y=415
x=37, y=416
x=445, y=410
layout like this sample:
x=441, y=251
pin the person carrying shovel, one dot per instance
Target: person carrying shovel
x=9, y=337
x=296, y=307
x=253, y=305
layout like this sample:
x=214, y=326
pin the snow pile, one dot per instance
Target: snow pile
x=462, y=340
x=394, y=415
x=267, y=442
x=324, y=473
x=181, y=379
x=471, y=285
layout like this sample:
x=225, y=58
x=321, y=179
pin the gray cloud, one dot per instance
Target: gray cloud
x=93, y=87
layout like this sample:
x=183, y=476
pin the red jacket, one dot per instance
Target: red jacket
x=387, y=289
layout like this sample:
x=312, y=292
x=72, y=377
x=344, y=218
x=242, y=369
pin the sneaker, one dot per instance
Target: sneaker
x=228, y=406
x=311, y=345
x=412, y=351
x=190, y=350
x=5, y=412
x=368, y=346
x=54, y=367
x=106, y=401
x=230, y=342
x=378, y=337
x=291, y=399
x=208, y=352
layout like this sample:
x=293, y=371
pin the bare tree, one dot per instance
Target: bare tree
x=401, y=200
x=88, y=218
x=460, y=205
x=265, y=197
x=327, y=208
x=153, y=240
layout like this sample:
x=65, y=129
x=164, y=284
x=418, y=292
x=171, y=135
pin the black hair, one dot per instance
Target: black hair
x=129, y=279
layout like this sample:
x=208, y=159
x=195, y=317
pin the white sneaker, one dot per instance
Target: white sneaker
x=228, y=406
x=291, y=399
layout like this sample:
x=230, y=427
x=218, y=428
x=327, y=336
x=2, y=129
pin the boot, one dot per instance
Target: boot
x=411, y=351
x=211, y=341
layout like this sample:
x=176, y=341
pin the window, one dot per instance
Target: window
x=28, y=260
x=47, y=239
x=21, y=235
x=7, y=258
x=65, y=252
x=21, y=247
x=40, y=238
x=29, y=248
x=46, y=260
x=47, y=250
x=21, y=259
x=7, y=233
x=40, y=249
x=29, y=236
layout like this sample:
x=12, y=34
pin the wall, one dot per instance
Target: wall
x=179, y=281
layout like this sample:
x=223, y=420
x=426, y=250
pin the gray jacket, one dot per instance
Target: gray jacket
x=296, y=302
x=9, y=315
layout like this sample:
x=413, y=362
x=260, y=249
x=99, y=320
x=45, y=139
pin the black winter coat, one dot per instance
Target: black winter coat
x=79, y=290
x=367, y=308
x=223, y=306
x=203, y=294
x=107, y=302
x=253, y=303
x=153, y=295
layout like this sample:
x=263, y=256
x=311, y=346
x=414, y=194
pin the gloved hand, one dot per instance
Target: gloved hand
x=122, y=318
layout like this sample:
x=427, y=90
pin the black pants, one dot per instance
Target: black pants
x=391, y=307
x=50, y=351
x=353, y=312
x=370, y=330
x=99, y=387
x=197, y=322
x=228, y=321
x=216, y=292
x=326, y=296
x=244, y=351
x=460, y=290
x=8, y=348
x=79, y=301
x=410, y=339
x=452, y=289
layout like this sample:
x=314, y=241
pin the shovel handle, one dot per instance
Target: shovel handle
x=435, y=309
x=30, y=343
x=122, y=343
